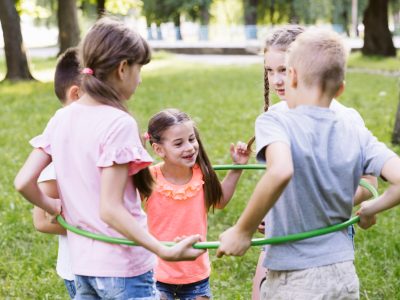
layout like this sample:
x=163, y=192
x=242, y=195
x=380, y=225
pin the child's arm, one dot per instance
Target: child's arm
x=41, y=220
x=26, y=182
x=240, y=156
x=114, y=213
x=236, y=240
x=389, y=199
x=362, y=193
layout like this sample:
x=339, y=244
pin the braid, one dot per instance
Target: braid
x=266, y=90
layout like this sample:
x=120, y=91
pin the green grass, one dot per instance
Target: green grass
x=224, y=101
x=357, y=60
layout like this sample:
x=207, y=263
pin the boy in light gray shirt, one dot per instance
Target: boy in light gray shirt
x=315, y=160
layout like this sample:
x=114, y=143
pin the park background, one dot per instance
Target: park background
x=223, y=94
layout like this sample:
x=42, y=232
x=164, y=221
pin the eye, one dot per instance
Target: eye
x=192, y=139
x=178, y=144
x=269, y=70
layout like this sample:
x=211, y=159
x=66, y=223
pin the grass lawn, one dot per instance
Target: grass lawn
x=224, y=101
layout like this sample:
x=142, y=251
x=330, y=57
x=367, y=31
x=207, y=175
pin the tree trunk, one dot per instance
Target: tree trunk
x=177, y=23
x=377, y=36
x=396, y=130
x=69, y=33
x=16, y=61
x=101, y=8
x=250, y=18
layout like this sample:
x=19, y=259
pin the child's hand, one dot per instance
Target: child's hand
x=183, y=250
x=367, y=218
x=239, y=153
x=56, y=208
x=261, y=227
x=233, y=242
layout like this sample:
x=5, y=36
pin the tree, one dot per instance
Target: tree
x=396, y=130
x=16, y=61
x=69, y=33
x=101, y=8
x=377, y=36
x=250, y=18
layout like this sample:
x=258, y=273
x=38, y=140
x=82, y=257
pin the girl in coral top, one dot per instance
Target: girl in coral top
x=186, y=188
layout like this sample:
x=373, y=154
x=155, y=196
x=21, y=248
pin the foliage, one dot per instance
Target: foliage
x=28, y=258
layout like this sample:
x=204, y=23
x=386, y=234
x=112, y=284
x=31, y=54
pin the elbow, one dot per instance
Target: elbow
x=282, y=175
x=106, y=214
x=20, y=184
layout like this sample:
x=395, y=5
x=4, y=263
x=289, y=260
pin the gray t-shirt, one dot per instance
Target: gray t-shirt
x=330, y=153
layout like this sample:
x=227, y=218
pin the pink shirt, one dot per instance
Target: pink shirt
x=81, y=140
x=177, y=210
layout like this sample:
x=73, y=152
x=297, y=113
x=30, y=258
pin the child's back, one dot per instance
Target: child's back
x=328, y=165
x=78, y=130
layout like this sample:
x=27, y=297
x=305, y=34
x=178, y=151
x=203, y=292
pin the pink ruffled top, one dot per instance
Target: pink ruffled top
x=83, y=140
x=178, y=210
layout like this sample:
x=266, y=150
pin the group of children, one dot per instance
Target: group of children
x=93, y=168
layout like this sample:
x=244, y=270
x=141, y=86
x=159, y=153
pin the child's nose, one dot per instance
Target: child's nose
x=278, y=79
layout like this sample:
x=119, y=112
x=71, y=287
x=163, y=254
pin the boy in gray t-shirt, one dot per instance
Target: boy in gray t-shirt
x=315, y=160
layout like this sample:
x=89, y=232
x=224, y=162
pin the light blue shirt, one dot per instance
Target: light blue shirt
x=330, y=154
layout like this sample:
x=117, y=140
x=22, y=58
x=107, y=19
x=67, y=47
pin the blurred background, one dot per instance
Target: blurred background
x=48, y=27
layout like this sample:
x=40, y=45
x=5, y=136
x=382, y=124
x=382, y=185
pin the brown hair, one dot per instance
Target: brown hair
x=163, y=120
x=280, y=39
x=320, y=57
x=67, y=73
x=104, y=47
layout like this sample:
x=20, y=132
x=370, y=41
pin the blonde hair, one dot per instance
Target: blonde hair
x=320, y=56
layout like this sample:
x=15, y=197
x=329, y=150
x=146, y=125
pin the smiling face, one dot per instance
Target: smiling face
x=179, y=145
x=276, y=71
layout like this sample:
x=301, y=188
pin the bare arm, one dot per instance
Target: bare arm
x=236, y=240
x=362, y=193
x=240, y=156
x=26, y=182
x=41, y=220
x=389, y=199
x=114, y=213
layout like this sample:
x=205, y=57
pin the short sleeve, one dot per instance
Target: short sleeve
x=122, y=145
x=354, y=116
x=269, y=129
x=375, y=153
x=43, y=141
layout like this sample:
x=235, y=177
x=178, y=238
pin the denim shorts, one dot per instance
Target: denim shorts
x=140, y=287
x=70, y=285
x=184, y=291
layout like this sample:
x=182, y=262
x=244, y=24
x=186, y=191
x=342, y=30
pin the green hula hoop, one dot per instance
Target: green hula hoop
x=215, y=245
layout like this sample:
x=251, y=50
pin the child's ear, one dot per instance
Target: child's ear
x=158, y=149
x=292, y=77
x=121, y=69
x=72, y=93
x=340, y=90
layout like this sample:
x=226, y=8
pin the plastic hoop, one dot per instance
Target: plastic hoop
x=215, y=244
